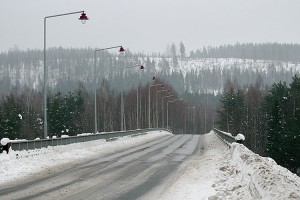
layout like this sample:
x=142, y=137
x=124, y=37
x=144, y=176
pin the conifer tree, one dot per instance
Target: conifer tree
x=294, y=124
x=278, y=130
x=11, y=117
x=231, y=110
x=182, y=50
x=174, y=55
x=65, y=114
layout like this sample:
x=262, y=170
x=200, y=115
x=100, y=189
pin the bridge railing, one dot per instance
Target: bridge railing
x=226, y=137
x=44, y=143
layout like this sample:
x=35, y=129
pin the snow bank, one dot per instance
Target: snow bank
x=246, y=175
x=268, y=180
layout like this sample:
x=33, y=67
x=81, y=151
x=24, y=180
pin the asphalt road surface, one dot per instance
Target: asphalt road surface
x=134, y=173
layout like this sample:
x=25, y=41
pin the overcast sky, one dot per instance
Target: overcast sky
x=148, y=25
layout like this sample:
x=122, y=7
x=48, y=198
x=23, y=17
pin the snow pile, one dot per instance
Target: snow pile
x=246, y=175
x=4, y=141
x=240, y=137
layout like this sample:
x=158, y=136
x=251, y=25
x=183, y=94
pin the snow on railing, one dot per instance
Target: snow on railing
x=224, y=136
x=108, y=136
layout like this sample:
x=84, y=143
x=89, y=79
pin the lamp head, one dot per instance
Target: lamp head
x=83, y=18
x=121, y=49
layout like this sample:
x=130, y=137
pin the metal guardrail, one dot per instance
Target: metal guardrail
x=224, y=136
x=44, y=143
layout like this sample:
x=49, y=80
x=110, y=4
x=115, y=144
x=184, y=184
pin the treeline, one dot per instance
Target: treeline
x=265, y=51
x=71, y=113
x=268, y=117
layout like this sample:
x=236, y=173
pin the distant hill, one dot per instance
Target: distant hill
x=205, y=70
x=265, y=51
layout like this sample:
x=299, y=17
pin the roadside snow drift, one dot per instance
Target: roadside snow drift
x=246, y=175
x=231, y=172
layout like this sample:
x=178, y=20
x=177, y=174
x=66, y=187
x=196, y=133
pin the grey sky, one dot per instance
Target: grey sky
x=148, y=26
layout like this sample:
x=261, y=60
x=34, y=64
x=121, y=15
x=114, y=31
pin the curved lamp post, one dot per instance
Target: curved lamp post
x=149, y=101
x=162, y=108
x=172, y=101
x=83, y=19
x=141, y=67
x=157, y=93
x=185, y=118
x=121, y=49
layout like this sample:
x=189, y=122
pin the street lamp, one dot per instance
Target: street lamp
x=149, y=101
x=121, y=49
x=172, y=101
x=162, y=108
x=141, y=67
x=83, y=19
x=158, y=92
x=185, y=116
x=137, y=100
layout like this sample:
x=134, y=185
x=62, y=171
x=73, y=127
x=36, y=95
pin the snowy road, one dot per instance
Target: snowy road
x=132, y=173
x=157, y=165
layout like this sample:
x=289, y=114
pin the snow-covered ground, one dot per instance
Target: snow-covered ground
x=219, y=173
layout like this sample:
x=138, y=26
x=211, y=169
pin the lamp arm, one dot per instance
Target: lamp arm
x=71, y=13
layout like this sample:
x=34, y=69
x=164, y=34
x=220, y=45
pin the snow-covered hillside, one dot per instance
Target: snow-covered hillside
x=210, y=74
x=195, y=75
x=196, y=65
x=221, y=172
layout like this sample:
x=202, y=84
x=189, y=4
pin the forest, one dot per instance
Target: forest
x=268, y=117
x=72, y=113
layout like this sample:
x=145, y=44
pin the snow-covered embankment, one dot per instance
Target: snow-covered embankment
x=246, y=175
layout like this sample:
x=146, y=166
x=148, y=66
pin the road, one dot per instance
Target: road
x=134, y=173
